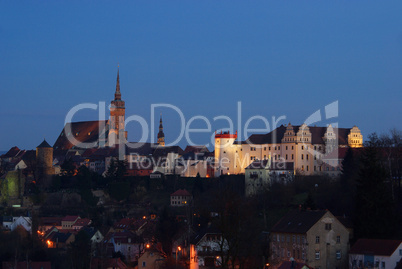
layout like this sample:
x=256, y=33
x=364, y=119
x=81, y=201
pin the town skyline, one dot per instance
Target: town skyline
x=275, y=58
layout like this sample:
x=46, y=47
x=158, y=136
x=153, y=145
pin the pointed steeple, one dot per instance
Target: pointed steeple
x=117, y=94
x=161, y=135
x=160, y=124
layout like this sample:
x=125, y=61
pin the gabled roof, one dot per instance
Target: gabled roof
x=82, y=222
x=59, y=237
x=378, y=247
x=70, y=218
x=181, y=192
x=125, y=223
x=13, y=152
x=298, y=221
x=83, y=131
x=317, y=134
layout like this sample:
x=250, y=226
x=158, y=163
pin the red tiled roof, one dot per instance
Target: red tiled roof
x=125, y=223
x=82, y=222
x=11, y=153
x=84, y=131
x=181, y=192
x=70, y=218
x=380, y=247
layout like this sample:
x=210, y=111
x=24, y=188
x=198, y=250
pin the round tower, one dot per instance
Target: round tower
x=44, y=162
x=225, y=153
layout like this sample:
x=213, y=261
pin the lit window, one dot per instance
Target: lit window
x=317, y=255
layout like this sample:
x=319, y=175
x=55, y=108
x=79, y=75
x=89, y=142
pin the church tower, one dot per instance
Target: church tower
x=161, y=135
x=117, y=117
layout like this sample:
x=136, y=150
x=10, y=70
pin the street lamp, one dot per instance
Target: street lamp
x=178, y=249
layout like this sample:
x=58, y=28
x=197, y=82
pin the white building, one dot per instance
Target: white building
x=303, y=145
x=375, y=253
x=180, y=198
x=25, y=222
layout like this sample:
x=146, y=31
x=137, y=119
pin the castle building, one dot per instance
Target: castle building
x=161, y=135
x=305, y=146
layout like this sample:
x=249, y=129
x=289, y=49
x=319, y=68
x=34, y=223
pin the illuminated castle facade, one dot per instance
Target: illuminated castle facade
x=307, y=147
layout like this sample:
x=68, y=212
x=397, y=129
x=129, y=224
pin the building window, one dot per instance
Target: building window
x=286, y=156
x=307, y=157
x=286, y=147
x=317, y=255
x=338, y=255
x=302, y=156
x=400, y=252
x=338, y=241
x=144, y=264
x=288, y=238
x=328, y=226
x=382, y=264
x=303, y=255
x=292, y=156
x=288, y=253
x=317, y=239
x=302, y=147
x=292, y=147
x=307, y=168
x=283, y=238
x=294, y=239
x=279, y=147
x=298, y=239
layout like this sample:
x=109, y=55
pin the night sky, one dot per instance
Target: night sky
x=278, y=58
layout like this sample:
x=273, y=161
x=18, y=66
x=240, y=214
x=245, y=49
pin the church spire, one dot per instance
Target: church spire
x=117, y=94
x=161, y=135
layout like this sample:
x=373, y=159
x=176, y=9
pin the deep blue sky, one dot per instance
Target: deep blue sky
x=277, y=57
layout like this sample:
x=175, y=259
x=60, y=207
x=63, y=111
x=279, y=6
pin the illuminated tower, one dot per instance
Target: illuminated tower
x=117, y=117
x=226, y=154
x=161, y=135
